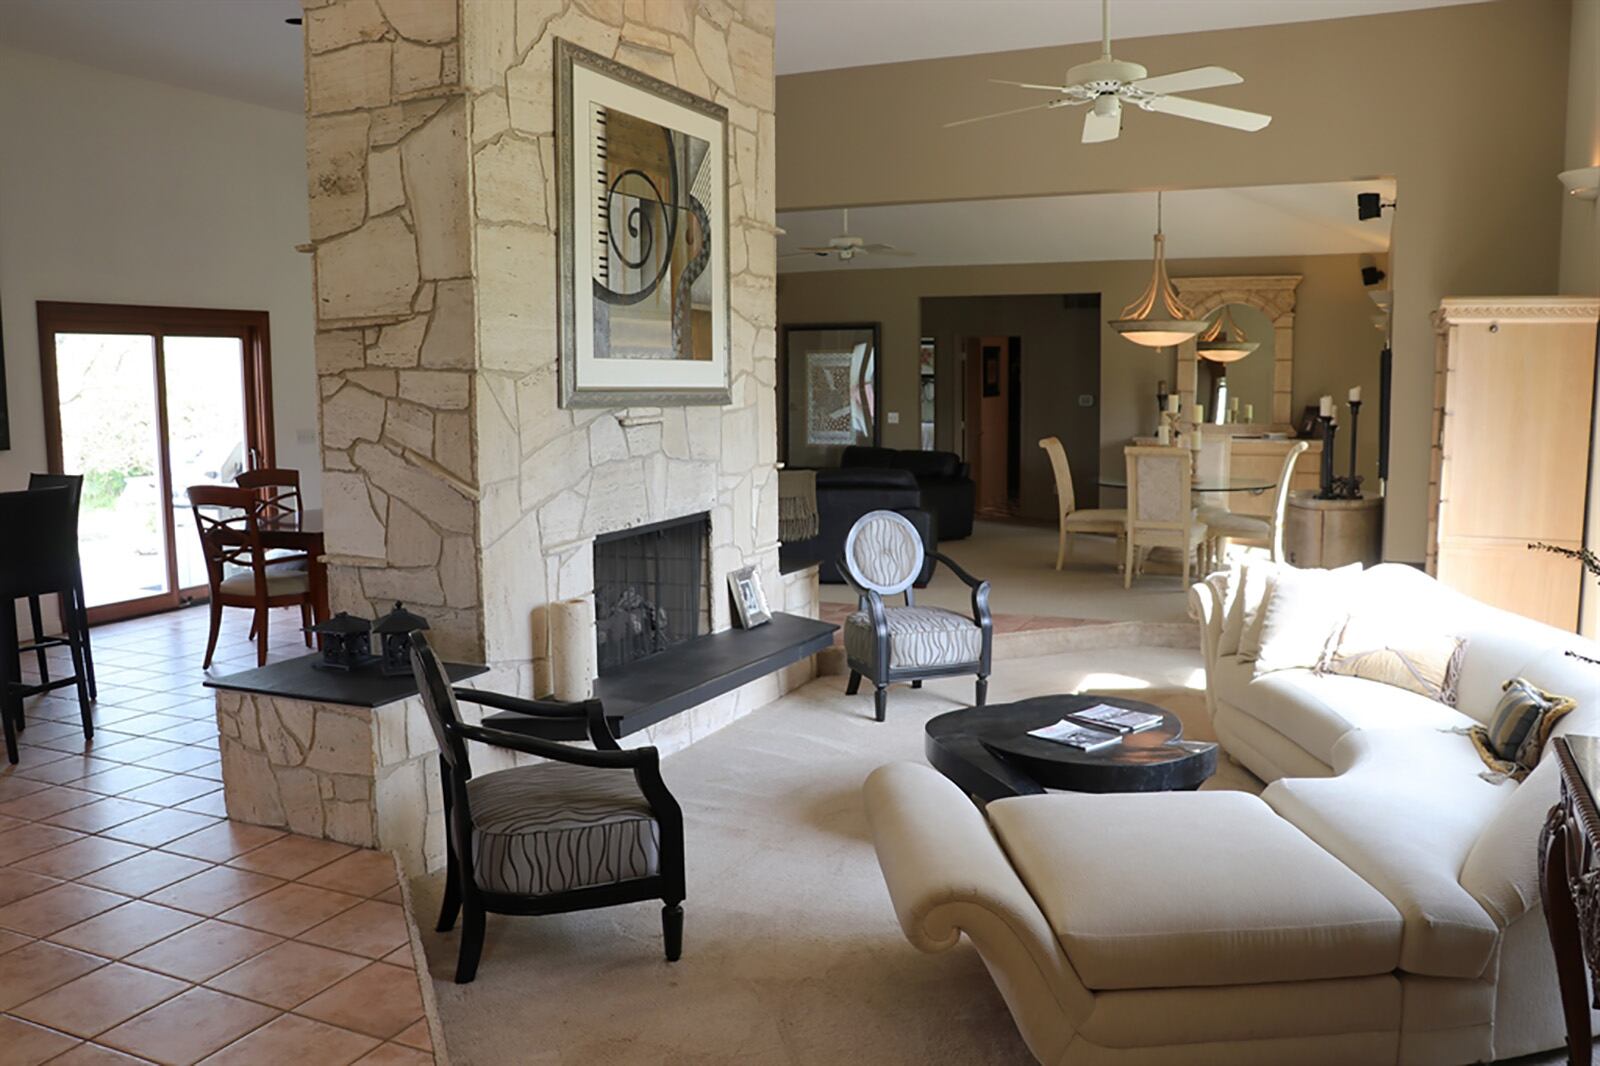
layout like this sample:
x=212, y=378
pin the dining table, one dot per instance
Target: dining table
x=301, y=532
x=1254, y=486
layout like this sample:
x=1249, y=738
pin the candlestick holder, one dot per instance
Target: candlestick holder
x=1352, y=486
x=1325, y=488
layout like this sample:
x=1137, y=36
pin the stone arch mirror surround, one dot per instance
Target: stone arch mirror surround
x=1274, y=296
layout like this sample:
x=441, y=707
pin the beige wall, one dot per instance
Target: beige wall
x=1580, y=219
x=1335, y=344
x=119, y=190
x=1409, y=95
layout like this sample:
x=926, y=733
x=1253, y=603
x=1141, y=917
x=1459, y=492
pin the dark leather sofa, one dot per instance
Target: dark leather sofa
x=844, y=495
x=947, y=486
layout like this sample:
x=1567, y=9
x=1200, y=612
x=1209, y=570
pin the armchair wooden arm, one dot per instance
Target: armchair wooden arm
x=592, y=711
x=619, y=759
x=980, y=590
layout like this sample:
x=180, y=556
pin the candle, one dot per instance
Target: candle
x=1163, y=434
x=1199, y=413
x=1233, y=404
x=1249, y=412
x=1326, y=409
x=1194, y=439
x=1172, y=402
x=1355, y=394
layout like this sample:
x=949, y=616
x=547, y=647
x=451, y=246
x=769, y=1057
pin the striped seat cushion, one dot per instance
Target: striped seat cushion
x=1519, y=728
x=918, y=636
x=553, y=827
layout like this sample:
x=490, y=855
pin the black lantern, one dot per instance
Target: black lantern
x=346, y=642
x=394, y=631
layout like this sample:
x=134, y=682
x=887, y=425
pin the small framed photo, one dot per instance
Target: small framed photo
x=749, y=601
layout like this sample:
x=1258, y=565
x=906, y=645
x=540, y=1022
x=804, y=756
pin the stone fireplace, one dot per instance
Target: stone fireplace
x=650, y=590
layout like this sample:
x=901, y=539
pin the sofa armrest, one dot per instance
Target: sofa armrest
x=1206, y=600
x=947, y=875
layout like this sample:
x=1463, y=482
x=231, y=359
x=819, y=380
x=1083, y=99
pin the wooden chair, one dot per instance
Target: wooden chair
x=1160, y=507
x=1223, y=525
x=38, y=557
x=277, y=490
x=1112, y=521
x=230, y=537
x=883, y=554
x=584, y=829
x=78, y=617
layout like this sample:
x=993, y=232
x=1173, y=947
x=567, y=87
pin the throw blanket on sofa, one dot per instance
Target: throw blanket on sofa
x=797, y=505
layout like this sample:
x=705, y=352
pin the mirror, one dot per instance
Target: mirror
x=1238, y=391
x=1263, y=305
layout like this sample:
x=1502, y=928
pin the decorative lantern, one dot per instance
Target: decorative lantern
x=346, y=642
x=394, y=631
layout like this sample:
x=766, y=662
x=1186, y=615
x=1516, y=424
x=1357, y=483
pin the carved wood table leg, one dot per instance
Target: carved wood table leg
x=1561, y=916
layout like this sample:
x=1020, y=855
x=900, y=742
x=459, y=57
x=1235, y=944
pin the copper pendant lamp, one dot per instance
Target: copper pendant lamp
x=1225, y=342
x=1158, y=319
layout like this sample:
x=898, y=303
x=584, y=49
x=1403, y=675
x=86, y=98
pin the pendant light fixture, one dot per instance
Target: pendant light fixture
x=1158, y=318
x=1225, y=342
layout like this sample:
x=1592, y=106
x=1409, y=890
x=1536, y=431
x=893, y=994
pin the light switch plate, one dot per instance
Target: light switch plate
x=1085, y=399
x=894, y=418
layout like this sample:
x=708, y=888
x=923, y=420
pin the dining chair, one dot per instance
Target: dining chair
x=38, y=557
x=277, y=490
x=585, y=828
x=1160, y=507
x=70, y=616
x=1224, y=526
x=230, y=538
x=1112, y=521
x=883, y=554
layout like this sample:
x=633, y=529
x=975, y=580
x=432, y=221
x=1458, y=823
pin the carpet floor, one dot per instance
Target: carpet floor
x=792, y=954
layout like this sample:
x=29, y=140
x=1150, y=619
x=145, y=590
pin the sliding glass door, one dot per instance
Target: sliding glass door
x=145, y=402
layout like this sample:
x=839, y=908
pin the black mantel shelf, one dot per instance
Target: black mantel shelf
x=686, y=675
x=297, y=679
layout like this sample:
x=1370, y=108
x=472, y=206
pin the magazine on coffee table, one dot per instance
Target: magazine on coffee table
x=1077, y=736
x=1115, y=719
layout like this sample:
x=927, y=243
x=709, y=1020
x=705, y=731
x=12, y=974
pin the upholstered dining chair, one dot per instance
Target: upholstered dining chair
x=1112, y=521
x=238, y=568
x=883, y=554
x=1160, y=507
x=1223, y=526
x=583, y=829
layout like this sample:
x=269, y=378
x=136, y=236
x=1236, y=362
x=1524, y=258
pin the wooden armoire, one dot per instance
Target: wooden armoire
x=1514, y=390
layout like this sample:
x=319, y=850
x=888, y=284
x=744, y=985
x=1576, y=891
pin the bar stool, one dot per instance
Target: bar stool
x=73, y=483
x=38, y=557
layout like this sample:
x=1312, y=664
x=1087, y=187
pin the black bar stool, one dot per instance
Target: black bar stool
x=38, y=557
x=73, y=483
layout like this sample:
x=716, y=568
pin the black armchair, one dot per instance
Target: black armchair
x=572, y=833
x=882, y=557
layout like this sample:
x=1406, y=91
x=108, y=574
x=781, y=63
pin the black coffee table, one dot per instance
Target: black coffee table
x=987, y=751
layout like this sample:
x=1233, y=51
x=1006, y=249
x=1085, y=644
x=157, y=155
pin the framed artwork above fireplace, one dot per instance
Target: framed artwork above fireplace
x=642, y=190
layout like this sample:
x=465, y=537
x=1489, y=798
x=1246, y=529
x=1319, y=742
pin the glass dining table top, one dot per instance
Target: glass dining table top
x=1255, y=486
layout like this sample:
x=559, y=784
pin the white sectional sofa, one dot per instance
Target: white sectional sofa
x=1379, y=902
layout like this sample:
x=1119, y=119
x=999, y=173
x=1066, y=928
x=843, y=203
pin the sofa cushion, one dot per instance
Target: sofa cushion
x=1316, y=710
x=1164, y=889
x=1404, y=810
x=1300, y=614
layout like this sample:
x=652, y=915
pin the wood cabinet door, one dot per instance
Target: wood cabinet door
x=1515, y=461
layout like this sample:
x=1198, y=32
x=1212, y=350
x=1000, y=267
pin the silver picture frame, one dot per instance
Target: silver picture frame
x=749, y=598
x=587, y=378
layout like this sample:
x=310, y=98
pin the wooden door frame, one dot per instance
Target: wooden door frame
x=254, y=332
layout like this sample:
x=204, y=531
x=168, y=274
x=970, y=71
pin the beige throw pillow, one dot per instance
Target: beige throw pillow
x=1300, y=614
x=1392, y=653
x=1244, y=623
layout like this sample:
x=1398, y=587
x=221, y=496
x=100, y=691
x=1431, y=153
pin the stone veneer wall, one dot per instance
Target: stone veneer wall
x=453, y=481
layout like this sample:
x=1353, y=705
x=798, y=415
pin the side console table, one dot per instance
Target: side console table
x=1569, y=882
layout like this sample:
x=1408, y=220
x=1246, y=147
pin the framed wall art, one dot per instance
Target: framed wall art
x=829, y=393
x=642, y=193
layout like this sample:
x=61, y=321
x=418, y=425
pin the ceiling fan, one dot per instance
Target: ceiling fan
x=845, y=247
x=1106, y=84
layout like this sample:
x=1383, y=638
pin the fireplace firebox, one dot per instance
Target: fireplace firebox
x=650, y=589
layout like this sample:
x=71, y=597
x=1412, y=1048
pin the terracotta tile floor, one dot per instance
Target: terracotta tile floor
x=138, y=925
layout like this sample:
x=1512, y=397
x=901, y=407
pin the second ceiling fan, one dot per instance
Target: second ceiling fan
x=1107, y=83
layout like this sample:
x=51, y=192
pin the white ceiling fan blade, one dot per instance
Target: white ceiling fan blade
x=998, y=114
x=1030, y=85
x=1098, y=128
x=1215, y=114
x=883, y=249
x=1188, y=80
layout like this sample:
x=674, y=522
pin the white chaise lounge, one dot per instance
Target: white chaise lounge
x=1377, y=904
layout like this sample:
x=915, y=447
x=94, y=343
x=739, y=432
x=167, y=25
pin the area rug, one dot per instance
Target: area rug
x=791, y=949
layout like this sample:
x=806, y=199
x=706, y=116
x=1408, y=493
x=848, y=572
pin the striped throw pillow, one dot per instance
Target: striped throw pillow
x=1519, y=729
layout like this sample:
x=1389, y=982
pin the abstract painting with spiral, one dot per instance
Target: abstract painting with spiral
x=644, y=238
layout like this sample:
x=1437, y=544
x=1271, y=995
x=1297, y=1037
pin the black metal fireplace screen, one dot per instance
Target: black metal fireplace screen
x=649, y=589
